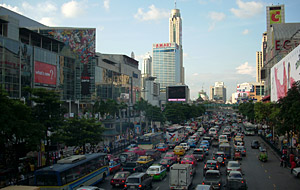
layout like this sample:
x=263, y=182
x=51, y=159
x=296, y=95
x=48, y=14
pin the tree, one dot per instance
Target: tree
x=247, y=109
x=174, y=113
x=79, y=132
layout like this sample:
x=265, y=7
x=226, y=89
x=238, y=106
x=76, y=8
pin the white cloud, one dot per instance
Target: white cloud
x=215, y=17
x=73, y=9
x=15, y=8
x=247, y=9
x=195, y=74
x=245, y=69
x=48, y=21
x=152, y=14
x=246, y=31
x=106, y=4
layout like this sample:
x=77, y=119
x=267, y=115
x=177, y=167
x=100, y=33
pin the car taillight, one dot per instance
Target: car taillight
x=140, y=186
x=123, y=181
x=125, y=185
x=122, y=169
x=168, y=165
x=219, y=184
x=156, y=174
x=112, y=181
x=182, y=162
x=205, y=165
x=213, y=157
x=192, y=162
x=133, y=169
x=202, y=183
x=242, y=181
x=191, y=173
x=224, y=158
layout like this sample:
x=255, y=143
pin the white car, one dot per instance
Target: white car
x=186, y=146
x=296, y=172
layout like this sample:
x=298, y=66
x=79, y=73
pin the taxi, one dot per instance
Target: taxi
x=145, y=161
x=114, y=166
x=158, y=172
x=179, y=150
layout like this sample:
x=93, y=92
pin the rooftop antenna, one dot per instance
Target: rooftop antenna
x=175, y=4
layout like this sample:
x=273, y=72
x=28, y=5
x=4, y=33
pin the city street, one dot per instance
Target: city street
x=259, y=175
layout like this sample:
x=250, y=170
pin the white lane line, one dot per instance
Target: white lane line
x=157, y=188
x=165, y=179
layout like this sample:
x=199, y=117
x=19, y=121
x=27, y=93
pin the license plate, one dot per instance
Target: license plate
x=132, y=187
x=117, y=184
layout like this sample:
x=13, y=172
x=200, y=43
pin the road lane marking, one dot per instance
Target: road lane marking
x=269, y=177
x=266, y=171
x=157, y=188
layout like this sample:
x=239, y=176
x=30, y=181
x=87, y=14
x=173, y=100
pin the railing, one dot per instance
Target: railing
x=276, y=149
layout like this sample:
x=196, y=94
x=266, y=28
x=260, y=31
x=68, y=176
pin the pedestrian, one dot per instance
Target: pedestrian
x=283, y=161
x=293, y=165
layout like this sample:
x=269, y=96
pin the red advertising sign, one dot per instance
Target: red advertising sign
x=44, y=73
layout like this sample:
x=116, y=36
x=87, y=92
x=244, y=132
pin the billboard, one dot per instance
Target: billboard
x=284, y=74
x=45, y=73
x=275, y=15
x=176, y=93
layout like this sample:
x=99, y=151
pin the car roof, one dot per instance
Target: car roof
x=138, y=174
x=213, y=171
x=219, y=152
x=211, y=161
x=233, y=161
x=155, y=166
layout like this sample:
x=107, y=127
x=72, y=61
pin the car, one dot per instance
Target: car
x=189, y=159
x=255, y=144
x=138, y=151
x=205, y=148
x=242, y=150
x=130, y=146
x=185, y=146
x=179, y=150
x=209, y=139
x=211, y=165
x=205, y=142
x=215, y=143
x=213, y=178
x=220, y=157
x=237, y=155
x=89, y=188
x=132, y=167
x=171, y=155
x=192, y=143
x=145, y=161
x=162, y=147
x=114, y=166
x=138, y=180
x=204, y=187
x=235, y=180
x=296, y=172
x=119, y=179
x=158, y=172
x=127, y=157
x=233, y=166
x=155, y=154
x=199, y=154
x=167, y=163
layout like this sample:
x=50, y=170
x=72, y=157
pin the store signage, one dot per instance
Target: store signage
x=45, y=73
x=162, y=45
x=286, y=44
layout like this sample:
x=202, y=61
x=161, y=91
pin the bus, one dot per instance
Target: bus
x=175, y=134
x=72, y=172
x=150, y=140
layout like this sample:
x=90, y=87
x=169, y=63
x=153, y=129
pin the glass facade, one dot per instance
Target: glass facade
x=112, y=85
x=166, y=64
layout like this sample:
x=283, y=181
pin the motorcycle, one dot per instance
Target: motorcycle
x=263, y=156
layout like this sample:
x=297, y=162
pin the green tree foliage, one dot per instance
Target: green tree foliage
x=108, y=107
x=154, y=113
x=78, y=132
x=247, y=109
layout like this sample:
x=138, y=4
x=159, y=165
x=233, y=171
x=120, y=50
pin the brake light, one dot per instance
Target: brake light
x=157, y=174
x=202, y=183
x=123, y=181
x=133, y=169
x=168, y=165
x=213, y=157
x=205, y=165
x=140, y=186
x=219, y=184
x=224, y=158
x=122, y=169
x=125, y=185
x=112, y=181
x=242, y=181
x=182, y=162
x=191, y=173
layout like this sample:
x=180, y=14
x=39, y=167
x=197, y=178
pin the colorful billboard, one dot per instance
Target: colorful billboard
x=45, y=73
x=284, y=74
x=275, y=15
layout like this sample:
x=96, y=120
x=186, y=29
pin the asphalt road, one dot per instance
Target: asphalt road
x=259, y=175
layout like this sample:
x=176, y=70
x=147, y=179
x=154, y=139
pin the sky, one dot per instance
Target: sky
x=220, y=37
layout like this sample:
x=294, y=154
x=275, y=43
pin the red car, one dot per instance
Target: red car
x=114, y=166
x=189, y=159
x=171, y=156
x=162, y=147
x=119, y=179
x=130, y=146
x=138, y=151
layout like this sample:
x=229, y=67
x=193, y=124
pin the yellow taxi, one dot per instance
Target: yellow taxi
x=179, y=150
x=146, y=161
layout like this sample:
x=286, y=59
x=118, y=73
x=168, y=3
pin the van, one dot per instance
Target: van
x=138, y=181
x=181, y=176
x=127, y=157
x=226, y=148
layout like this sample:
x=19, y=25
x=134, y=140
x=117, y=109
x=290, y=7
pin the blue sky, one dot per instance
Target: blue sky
x=220, y=37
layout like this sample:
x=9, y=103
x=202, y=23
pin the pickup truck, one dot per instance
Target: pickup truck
x=181, y=176
x=132, y=167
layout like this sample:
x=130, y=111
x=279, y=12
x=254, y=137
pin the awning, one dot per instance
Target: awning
x=266, y=98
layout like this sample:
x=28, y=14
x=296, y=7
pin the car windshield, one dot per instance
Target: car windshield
x=142, y=159
x=198, y=152
x=211, y=164
x=187, y=159
x=165, y=161
x=235, y=175
x=178, y=148
x=169, y=154
x=153, y=169
x=133, y=180
x=120, y=175
x=233, y=164
x=130, y=165
x=210, y=175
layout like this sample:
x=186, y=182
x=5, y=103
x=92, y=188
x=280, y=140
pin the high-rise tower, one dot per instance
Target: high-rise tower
x=175, y=35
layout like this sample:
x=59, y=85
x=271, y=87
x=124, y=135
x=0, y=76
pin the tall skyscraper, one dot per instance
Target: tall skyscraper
x=218, y=92
x=147, y=66
x=259, y=65
x=175, y=35
x=166, y=64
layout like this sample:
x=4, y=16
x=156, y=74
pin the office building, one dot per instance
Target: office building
x=247, y=91
x=166, y=64
x=218, y=92
x=259, y=65
x=147, y=66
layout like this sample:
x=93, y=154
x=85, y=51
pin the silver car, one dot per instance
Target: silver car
x=233, y=166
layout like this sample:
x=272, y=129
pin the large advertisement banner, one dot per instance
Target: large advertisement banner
x=275, y=16
x=284, y=74
x=44, y=73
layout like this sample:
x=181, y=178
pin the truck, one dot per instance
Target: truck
x=181, y=176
